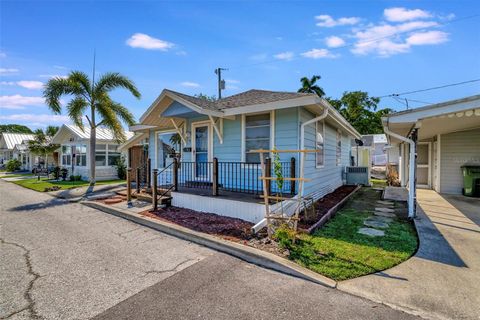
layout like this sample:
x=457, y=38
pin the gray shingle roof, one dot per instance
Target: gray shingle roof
x=247, y=98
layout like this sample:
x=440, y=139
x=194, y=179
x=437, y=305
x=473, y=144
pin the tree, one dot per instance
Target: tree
x=310, y=86
x=41, y=145
x=205, y=97
x=51, y=131
x=360, y=110
x=90, y=96
x=14, y=128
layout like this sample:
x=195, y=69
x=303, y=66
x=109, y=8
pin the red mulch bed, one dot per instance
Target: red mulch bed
x=214, y=224
x=324, y=204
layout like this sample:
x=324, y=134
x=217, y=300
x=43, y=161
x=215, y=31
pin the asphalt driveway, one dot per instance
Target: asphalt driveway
x=60, y=260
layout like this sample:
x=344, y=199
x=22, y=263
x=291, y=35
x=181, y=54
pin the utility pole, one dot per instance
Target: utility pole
x=221, y=83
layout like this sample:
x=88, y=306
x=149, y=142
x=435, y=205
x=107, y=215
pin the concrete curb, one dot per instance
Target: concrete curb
x=330, y=213
x=249, y=254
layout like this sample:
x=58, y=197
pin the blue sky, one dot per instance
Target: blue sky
x=381, y=47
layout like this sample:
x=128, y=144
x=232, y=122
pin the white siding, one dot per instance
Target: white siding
x=457, y=149
x=329, y=177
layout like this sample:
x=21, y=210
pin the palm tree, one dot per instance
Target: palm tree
x=41, y=145
x=309, y=86
x=92, y=96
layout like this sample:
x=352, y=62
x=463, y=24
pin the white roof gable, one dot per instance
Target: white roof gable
x=103, y=134
x=9, y=140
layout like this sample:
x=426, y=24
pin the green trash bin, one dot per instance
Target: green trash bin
x=471, y=180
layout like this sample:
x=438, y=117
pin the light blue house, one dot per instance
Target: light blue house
x=213, y=140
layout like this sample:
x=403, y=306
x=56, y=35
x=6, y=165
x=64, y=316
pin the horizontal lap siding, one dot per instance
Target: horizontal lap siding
x=328, y=177
x=457, y=149
x=230, y=150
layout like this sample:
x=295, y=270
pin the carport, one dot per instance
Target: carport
x=432, y=143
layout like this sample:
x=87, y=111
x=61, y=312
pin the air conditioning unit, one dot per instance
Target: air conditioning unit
x=357, y=175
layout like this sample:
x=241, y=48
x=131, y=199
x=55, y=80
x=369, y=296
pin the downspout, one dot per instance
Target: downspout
x=411, y=171
x=302, y=141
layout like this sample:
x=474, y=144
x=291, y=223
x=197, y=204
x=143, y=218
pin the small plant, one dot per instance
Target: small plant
x=285, y=236
x=121, y=168
x=13, y=165
x=75, y=178
x=64, y=173
x=56, y=172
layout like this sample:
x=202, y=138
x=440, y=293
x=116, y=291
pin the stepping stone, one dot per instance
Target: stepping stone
x=385, y=202
x=380, y=218
x=384, y=210
x=113, y=200
x=384, y=214
x=371, y=232
x=375, y=224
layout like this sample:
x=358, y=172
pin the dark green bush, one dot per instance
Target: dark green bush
x=75, y=178
x=121, y=168
x=13, y=165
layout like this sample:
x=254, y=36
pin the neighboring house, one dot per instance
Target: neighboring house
x=375, y=143
x=13, y=146
x=197, y=131
x=446, y=136
x=74, y=151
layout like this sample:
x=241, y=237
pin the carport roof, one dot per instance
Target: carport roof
x=440, y=118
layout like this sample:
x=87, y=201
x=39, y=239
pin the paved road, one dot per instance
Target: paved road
x=65, y=261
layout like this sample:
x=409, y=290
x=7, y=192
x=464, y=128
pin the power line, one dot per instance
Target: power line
x=365, y=41
x=428, y=89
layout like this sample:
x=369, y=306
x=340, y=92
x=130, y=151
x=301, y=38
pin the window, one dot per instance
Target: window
x=168, y=147
x=66, y=155
x=101, y=155
x=339, y=147
x=113, y=154
x=80, y=152
x=257, y=136
x=319, y=144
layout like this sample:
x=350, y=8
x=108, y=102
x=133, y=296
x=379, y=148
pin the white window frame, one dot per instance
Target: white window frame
x=338, y=153
x=62, y=154
x=323, y=153
x=427, y=166
x=86, y=154
x=272, y=133
x=155, y=156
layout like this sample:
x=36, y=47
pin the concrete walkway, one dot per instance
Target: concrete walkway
x=442, y=280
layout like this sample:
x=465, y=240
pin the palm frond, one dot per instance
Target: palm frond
x=114, y=80
x=54, y=89
x=123, y=113
x=81, y=78
x=76, y=108
x=110, y=120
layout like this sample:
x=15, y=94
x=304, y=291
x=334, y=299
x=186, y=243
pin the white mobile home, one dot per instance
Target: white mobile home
x=74, y=152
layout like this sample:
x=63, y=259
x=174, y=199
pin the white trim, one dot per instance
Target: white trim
x=427, y=166
x=218, y=131
x=439, y=159
x=315, y=142
x=243, y=127
x=338, y=138
x=269, y=106
x=155, y=138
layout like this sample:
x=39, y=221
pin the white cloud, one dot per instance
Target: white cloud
x=190, y=84
x=400, y=14
x=36, y=119
x=8, y=70
x=20, y=102
x=288, y=55
x=387, y=39
x=24, y=83
x=181, y=53
x=30, y=84
x=334, y=42
x=428, y=37
x=232, y=81
x=279, y=38
x=144, y=41
x=3, y=54
x=324, y=20
x=60, y=67
x=318, y=54
x=259, y=57
x=231, y=87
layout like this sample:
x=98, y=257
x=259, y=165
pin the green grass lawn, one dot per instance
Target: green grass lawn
x=378, y=183
x=339, y=252
x=36, y=185
x=15, y=175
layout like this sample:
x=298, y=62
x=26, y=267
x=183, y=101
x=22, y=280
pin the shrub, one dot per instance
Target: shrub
x=75, y=178
x=285, y=236
x=64, y=173
x=121, y=168
x=13, y=165
x=56, y=173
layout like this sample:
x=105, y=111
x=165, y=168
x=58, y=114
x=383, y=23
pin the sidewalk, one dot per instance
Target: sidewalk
x=442, y=280
x=87, y=192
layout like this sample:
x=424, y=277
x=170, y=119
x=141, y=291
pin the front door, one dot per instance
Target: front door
x=201, y=149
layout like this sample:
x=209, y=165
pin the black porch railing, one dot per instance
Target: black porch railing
x=228, y=176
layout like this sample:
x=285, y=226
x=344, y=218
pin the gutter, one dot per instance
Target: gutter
x=411, y=171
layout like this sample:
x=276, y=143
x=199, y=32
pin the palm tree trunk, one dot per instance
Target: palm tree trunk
x=93, y=139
